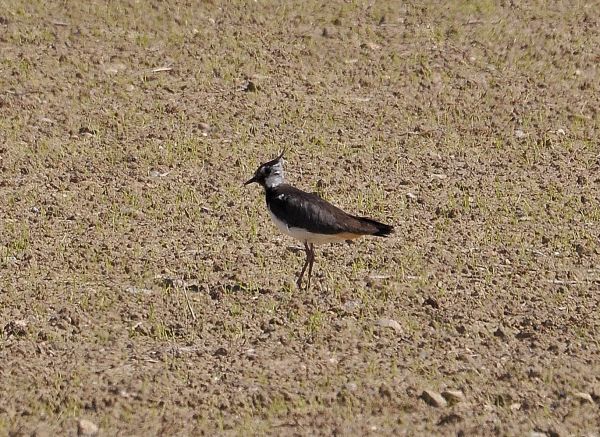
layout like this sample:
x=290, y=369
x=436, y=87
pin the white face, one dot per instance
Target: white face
x=273, y=174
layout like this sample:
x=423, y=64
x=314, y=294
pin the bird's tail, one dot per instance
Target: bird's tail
x=373, y=227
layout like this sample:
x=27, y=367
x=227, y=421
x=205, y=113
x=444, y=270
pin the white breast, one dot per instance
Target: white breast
x=302, y=234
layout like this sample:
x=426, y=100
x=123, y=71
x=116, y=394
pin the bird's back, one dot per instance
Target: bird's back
x=299, y=209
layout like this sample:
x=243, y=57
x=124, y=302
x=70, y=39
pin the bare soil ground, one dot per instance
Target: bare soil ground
x=144, y=289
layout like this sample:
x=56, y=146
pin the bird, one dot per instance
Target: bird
x=308, y=217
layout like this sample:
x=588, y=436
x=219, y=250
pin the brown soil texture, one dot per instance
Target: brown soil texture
x=144, y=289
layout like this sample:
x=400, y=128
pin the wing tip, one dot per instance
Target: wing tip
x=381, y=229
x=384, y=230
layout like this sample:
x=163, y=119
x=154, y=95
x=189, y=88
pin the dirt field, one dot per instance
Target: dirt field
x=144, y=289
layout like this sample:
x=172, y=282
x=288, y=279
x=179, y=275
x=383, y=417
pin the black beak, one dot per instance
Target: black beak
x=249, y=181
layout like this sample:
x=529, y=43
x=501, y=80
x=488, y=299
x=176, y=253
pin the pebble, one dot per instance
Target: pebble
x=221, y=352
x=137, y=290
x=389, y=323
x=370, y=45
x=157, y=174
x=351, y=386
x=440, y=176
x=140, y=329
x=86, y=428
x=433, y=398
x=379, y=277
x=114, y=68
x=584, y=397
x=453, y=396
x=351, y=306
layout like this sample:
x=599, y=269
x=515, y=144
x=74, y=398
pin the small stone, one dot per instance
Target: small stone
x=114, y=68
x=520, y=134
x=584, y=397
x=86, y=131
x=379, y=277
x=537, y=434
x=453, y=396
x=370, y=45
x=138, y=290
x=411, y=196
x=221, y=352
x=439, y=176
x=157, y=174
x=351, y=386
x=433, y=398
x=86, y=428
x=351, y=306
x=389, y=323
x=140, y=329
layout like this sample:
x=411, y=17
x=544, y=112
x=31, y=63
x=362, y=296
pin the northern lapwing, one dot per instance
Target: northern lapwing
x=307, y=217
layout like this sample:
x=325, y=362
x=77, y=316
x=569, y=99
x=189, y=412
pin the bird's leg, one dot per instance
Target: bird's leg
x=310, y=265
x=307, y=250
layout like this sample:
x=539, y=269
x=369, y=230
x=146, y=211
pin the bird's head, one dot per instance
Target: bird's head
x=269, y=174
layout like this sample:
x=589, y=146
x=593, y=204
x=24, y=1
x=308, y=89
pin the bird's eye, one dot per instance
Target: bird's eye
x=267, y=171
